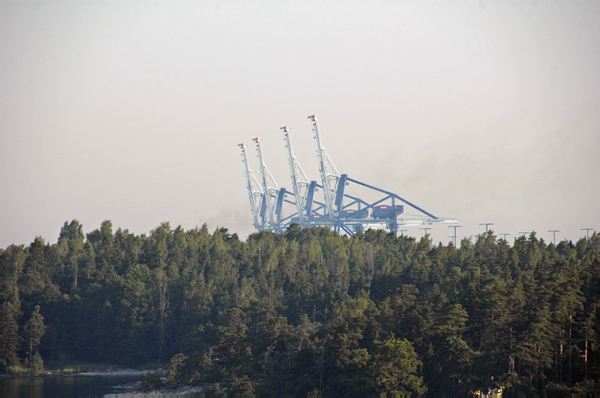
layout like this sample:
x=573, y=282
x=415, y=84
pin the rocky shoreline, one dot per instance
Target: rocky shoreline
x=102, y=372
x=129, y=389
x=114, y=372
x=135, y=389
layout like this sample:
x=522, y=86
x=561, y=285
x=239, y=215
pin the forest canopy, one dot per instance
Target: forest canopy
x=309, y=310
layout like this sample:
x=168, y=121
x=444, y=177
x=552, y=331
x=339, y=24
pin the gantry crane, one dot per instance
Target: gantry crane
x=273, y=195
x=304, y=189
x=257, y=204
x=339, y=210
x=330, y=177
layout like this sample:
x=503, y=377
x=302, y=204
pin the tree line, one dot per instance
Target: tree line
x=308, y=310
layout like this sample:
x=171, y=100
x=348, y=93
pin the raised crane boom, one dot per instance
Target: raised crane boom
x=330, y=177
x=254, y=192
x=300, y=183
x=345, y=212
x=273, y=195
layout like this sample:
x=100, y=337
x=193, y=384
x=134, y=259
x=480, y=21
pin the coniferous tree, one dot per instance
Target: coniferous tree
x=34, y=330
x=310, y=310
x=9, y=335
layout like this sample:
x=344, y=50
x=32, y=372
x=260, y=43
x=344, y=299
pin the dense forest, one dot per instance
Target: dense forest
x=309, y=310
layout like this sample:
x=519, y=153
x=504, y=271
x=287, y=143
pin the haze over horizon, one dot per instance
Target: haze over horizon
x=131, y=111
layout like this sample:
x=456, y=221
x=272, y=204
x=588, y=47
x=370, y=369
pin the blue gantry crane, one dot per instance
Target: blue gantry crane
x=304, y=189
x=256, y=194
x=338, y=209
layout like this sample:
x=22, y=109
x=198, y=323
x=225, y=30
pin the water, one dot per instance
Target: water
x=165, y=395
x=63, y=386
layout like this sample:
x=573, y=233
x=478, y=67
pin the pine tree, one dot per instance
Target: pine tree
x=394, y=367
x=34, y=330
x=9, y=335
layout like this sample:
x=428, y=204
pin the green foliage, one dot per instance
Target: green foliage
x=214, y=391
x=9, y=336
x=395, y=366
x=241, y=386
x=34, y=330
x=37, y=364
x=18, y=370
x=151, y=382
x=307, y=311
x=174, y=376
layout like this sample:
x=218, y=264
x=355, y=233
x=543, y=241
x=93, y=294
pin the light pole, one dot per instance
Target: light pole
x=426, y=229
x=524, y=234
x=554, y=231
x=487, y=224
x=504, y=236
x=588, y=231
x=454, y=226
x=402, y=231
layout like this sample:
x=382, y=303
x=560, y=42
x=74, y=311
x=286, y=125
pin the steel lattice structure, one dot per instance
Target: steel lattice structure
x=337, y=209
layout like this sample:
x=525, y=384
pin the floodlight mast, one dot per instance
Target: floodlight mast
x=329, y=174
x=254, y=191
x=300, y=182
x=588, y=231
x=271, y=190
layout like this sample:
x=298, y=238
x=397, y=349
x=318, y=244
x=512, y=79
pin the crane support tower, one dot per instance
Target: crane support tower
x=273, y=195
x=303, y=188
x=255, y=192
x=330, y=177
x=338, y=209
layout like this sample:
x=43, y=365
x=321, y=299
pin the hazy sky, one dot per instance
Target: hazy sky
x=132, y=111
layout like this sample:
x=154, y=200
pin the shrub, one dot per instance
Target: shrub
x=151, y=381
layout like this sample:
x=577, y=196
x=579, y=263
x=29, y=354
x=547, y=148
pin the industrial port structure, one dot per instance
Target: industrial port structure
x=332, y=202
